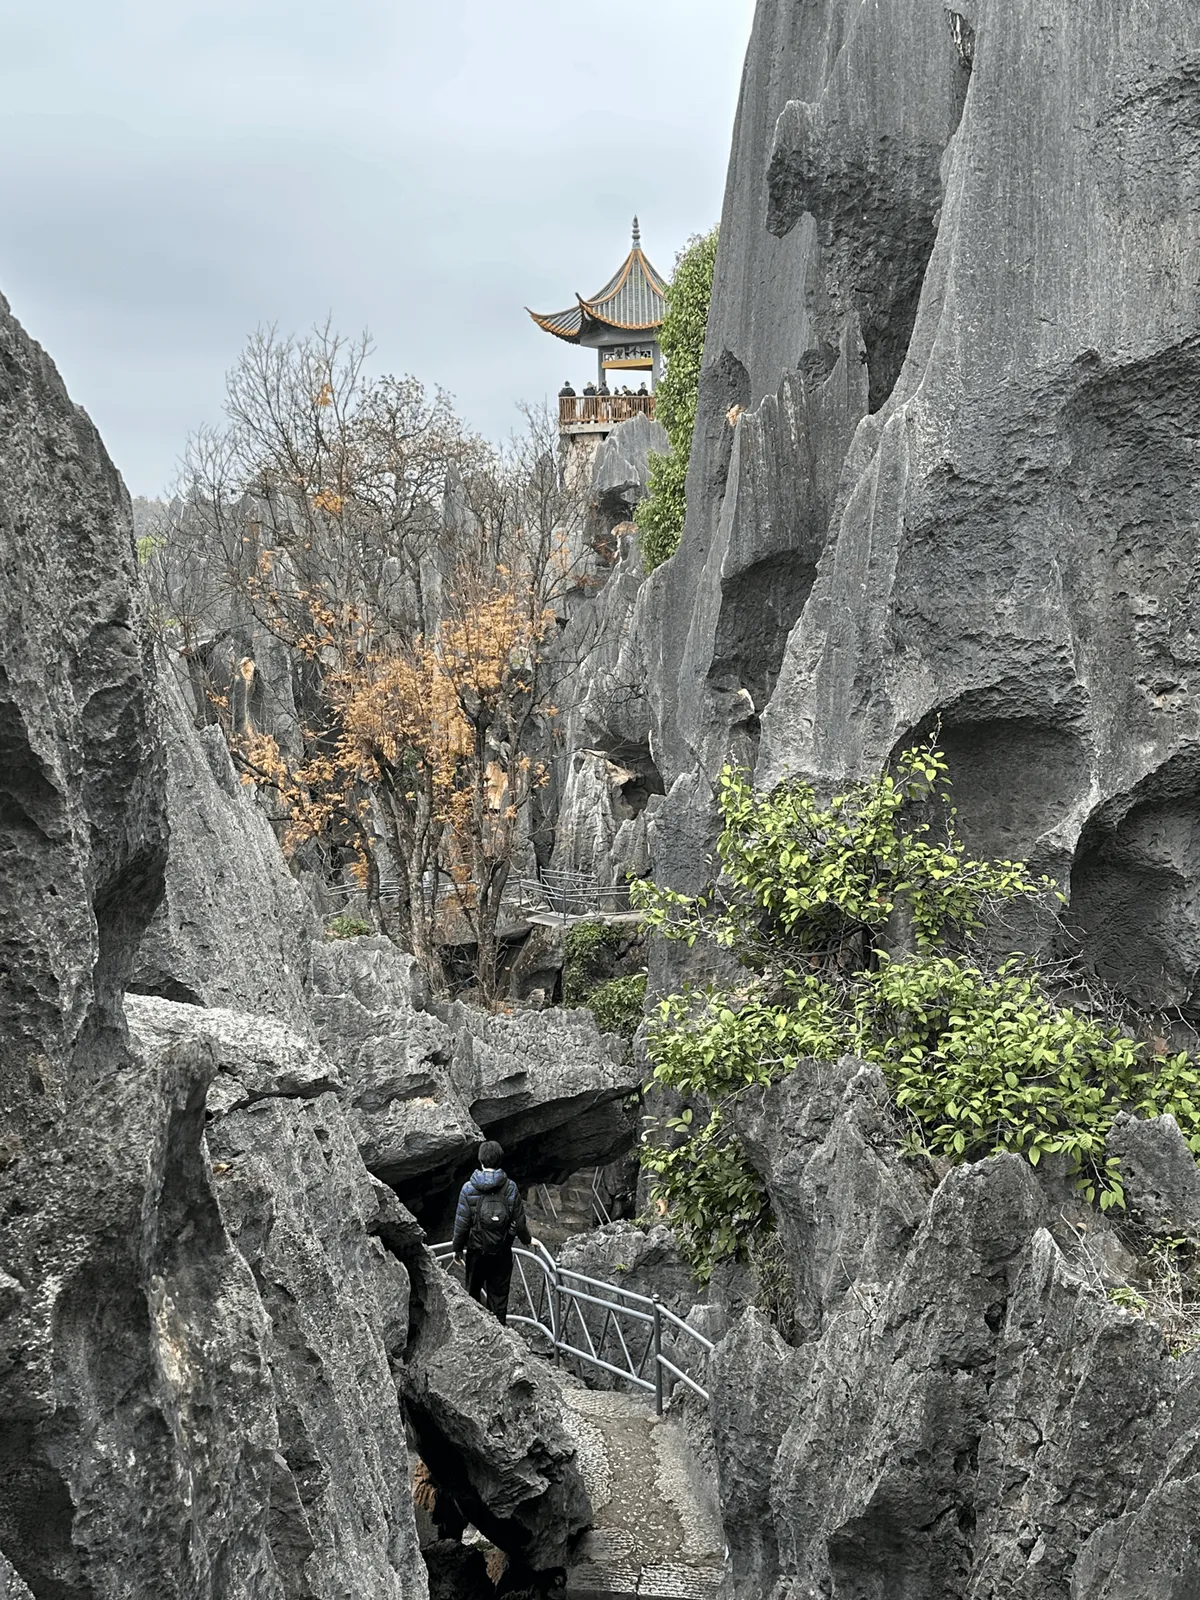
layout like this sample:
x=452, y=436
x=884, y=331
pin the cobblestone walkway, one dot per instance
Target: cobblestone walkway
x=655, y=1537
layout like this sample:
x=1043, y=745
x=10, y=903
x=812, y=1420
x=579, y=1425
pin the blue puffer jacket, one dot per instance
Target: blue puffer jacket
x=483, y=1181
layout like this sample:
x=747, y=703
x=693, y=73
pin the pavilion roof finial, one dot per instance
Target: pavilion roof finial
x=637, y=235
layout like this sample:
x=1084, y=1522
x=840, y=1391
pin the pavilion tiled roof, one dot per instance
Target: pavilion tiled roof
x=632, y=301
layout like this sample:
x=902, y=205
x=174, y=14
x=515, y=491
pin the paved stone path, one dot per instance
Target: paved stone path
x=655, y=1536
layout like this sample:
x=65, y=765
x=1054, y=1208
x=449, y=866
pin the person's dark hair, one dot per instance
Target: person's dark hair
x=490, y=1154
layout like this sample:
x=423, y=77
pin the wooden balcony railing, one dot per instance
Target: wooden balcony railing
x=602, y=410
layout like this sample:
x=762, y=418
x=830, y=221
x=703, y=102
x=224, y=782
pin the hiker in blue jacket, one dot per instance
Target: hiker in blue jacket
x=490, y=1215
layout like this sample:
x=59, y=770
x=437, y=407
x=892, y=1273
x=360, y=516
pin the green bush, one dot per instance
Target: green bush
x=344, y=927
x=979, y=1056
x=590, y=950
x=619, y=1004
x=660, y=515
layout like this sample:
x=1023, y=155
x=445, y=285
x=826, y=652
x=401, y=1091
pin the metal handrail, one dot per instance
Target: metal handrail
x=568, y=893
x=559, y=1292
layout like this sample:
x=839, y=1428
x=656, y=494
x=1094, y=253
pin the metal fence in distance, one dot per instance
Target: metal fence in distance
x=643, y=1333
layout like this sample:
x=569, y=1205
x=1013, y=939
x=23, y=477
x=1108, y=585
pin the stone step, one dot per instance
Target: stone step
x=615, y=1580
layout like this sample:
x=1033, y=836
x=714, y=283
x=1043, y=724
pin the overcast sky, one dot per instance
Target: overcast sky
x=175, y=172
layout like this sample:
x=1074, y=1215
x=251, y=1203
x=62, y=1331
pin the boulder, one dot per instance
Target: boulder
x=621, y=468
x=394, y=1061
x=486, y=1417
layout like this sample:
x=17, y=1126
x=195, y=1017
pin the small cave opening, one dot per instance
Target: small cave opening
x=1134, y=911
x=633, y=795
x=463, y=1545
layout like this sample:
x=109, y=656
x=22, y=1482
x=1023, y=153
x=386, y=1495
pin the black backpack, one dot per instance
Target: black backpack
x=492, y=1222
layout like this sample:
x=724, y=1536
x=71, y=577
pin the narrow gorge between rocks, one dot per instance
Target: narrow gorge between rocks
x=944, y=487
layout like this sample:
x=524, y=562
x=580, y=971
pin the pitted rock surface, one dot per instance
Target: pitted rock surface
x=965, y=1411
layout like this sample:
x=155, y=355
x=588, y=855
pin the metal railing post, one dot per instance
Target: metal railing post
x=555, y=1312
x=658, y=1368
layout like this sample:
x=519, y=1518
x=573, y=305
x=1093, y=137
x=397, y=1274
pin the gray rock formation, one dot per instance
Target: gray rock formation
x=621, y=469
x=487, y=1419
x=358, y=1317
x=126, y=1312
x=234, y=928
x=961, y=489
x=256, y=1058
x=423, y=1084
x=207, y=1303
x=965, y=1412
x=547, y=1085
x=1159, y=1174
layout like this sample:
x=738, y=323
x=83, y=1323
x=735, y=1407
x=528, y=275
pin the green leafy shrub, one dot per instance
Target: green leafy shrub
x=855, y=921
x=344, y=927
x=591, y=948
x=619, y=1004
x=660, y=515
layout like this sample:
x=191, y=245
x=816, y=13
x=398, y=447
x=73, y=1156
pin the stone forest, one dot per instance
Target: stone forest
x=763, y=799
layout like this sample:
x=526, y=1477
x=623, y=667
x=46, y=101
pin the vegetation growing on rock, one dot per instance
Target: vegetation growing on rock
x=593, y=949
x=660, y=516
x=858, y=922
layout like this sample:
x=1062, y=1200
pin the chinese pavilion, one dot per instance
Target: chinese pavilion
x=620, y=322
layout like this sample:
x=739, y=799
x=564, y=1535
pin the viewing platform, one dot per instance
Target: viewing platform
x=600, y=413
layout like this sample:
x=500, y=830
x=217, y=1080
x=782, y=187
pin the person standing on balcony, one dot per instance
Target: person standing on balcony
x=490, y=1215
x=566, y=392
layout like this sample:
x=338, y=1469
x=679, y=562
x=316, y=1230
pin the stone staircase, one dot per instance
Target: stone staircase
x=656, y=1535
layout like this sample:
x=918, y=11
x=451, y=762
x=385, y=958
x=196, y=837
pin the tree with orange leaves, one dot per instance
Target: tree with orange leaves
x=417, y=576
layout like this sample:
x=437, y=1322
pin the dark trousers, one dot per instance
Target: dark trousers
x=489, y=1274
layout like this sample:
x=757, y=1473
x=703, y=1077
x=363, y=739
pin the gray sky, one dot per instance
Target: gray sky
x=175, y=172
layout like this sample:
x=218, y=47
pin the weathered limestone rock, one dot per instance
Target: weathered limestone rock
x=966, y=1412
x=961, y=489
x=358, y=1320
x=126, y=1313
x=424, y=1084
x=257, y=1058
x=12, y=1586
x=486, y=1415
x=394, y=1060
x=1159, y=1174
x=234, y=928
x=323, y=1240
x=621, y=469
x=547, y=1085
